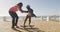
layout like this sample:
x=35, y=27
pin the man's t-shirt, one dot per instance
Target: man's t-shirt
x=14, y=9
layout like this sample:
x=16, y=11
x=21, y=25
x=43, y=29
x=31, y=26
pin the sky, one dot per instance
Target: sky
x=40, y=7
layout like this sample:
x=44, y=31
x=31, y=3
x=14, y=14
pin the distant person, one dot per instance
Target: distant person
x=13, y=14
x=29, y=15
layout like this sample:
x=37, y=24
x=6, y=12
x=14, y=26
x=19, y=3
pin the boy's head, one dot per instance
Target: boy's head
x=20, y=4
x=28, y=6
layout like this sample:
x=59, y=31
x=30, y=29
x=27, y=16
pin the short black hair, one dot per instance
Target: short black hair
x=20, y=4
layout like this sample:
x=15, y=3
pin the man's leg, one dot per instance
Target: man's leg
x=13, y=22
x=16, y=20
x=12, y=14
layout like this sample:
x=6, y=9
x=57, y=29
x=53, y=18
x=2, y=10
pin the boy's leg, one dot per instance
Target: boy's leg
x=25, y=20
x=29, y=20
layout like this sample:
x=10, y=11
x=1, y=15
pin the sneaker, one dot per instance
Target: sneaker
x=17, y=27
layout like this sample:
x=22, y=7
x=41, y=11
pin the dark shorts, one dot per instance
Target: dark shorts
x=13, y=14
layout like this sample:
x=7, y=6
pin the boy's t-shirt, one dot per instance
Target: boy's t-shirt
x=30, y=12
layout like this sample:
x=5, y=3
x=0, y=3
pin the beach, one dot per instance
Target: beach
x=38, y=26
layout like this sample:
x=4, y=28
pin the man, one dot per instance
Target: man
x=13, y=14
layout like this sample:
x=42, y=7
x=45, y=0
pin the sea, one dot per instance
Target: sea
x=8, y=18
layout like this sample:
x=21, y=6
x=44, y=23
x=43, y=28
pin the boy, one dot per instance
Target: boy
x=29, y=15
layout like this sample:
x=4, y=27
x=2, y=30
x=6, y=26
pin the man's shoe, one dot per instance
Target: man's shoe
x=17, y=27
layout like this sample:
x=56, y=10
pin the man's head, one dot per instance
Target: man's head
x=20, y=4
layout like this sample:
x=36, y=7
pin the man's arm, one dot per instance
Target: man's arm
x=23, y=11
x=20, y=10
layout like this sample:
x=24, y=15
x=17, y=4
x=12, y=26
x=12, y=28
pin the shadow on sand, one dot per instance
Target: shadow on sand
x=31, y=29
x=17, y=30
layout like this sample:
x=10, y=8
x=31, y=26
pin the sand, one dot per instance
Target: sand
x=39, y=26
